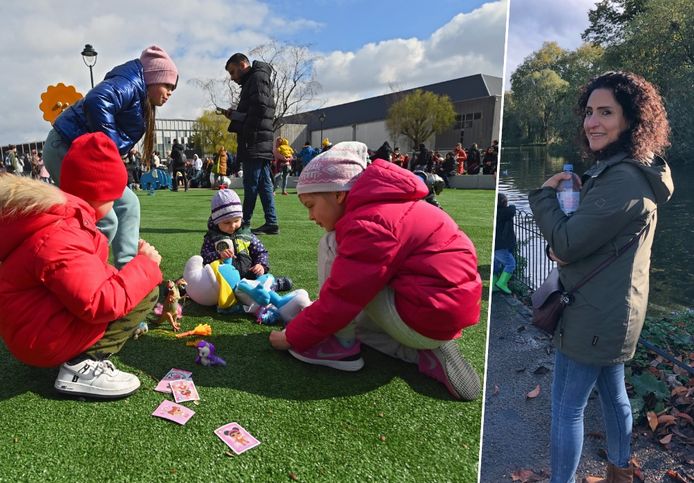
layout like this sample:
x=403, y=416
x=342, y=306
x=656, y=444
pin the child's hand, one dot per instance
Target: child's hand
x=144, y=248
x=228, y=253
x=257, y=269
x=278, y=340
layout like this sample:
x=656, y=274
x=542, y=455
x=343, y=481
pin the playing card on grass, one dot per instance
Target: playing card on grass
x=184, y=390
x=173, y=375
x=236, y=437
x=174, y=412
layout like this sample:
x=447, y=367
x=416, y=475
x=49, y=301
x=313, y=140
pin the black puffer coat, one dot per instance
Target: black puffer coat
x=178, y=156
x=252, y=119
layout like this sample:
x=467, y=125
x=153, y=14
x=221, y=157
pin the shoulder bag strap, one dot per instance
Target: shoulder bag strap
x=607, y=261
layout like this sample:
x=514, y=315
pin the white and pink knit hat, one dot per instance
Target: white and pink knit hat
x=334, y=170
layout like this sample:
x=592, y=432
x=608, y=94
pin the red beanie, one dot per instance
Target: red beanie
x=93, y=169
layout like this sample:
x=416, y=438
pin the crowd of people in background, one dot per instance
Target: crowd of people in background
x=210, y=172
x=26, y=164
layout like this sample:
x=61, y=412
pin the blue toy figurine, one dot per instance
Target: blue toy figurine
x=219, y=284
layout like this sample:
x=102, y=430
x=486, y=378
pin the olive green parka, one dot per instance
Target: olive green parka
x=619, y=197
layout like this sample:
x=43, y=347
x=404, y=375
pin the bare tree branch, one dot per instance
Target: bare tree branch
x=294, y=82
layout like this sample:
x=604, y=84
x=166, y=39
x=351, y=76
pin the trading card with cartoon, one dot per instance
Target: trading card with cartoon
x=173, y=375
x=173, y=412
x=184, y=390
x=236, y=437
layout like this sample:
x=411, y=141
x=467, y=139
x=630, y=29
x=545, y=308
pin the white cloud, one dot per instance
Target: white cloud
x=41, y=46
x=532, y=22
x=470, y=43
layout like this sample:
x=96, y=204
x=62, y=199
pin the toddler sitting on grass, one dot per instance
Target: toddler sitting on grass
x=249, y=255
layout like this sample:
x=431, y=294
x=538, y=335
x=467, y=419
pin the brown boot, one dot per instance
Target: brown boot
x=615, y=474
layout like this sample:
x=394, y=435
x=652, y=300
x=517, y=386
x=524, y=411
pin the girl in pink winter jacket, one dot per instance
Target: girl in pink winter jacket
x=396, y=273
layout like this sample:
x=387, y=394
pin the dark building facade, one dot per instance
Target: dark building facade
x=476, y=100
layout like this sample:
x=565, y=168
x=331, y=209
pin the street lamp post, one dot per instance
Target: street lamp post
x=321, y=118
x=89, y=58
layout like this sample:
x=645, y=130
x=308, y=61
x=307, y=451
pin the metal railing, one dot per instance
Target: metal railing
x=533, y=264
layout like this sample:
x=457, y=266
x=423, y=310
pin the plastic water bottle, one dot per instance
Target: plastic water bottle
x=569, y=192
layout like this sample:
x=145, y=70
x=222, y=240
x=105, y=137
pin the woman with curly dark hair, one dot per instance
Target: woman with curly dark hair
x=625, y=131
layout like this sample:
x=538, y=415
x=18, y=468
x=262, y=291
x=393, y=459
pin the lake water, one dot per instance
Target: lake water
x=672, y=270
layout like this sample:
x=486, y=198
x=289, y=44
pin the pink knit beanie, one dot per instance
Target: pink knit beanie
x=334, y=170
x=158, y=66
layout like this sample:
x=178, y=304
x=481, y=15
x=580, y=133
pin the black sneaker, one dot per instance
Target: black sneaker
x=283, y=284
x=266, y=229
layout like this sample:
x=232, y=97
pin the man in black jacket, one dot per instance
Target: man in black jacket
x=178, y=165
x=252, y=120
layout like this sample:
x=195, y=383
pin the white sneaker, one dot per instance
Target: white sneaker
x=95, y=379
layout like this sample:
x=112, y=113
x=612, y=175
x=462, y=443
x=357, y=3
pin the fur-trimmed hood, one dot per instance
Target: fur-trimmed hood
x=57, y=291
x=28, y=205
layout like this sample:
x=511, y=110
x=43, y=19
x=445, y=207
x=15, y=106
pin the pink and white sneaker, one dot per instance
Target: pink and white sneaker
x=331, y=353
x=446, y=365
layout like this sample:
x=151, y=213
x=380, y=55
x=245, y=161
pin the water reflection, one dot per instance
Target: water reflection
x=672, y=275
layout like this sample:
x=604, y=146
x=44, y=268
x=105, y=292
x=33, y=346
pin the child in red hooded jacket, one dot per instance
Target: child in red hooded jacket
x=396, y=273
x=61, y=303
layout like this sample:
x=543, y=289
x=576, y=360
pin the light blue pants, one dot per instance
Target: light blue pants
x=121, y=225
x=572, y=384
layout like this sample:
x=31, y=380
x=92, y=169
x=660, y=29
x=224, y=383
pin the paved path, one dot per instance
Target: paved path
x=516, y=429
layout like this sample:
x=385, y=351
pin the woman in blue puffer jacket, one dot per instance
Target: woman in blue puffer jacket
x=123, y=107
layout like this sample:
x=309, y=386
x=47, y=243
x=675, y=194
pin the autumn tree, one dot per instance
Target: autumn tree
x=419, y=115
x=658, y=44
x=549, y=56
x=652, y=38
x=538, y=89
x=609, y=18
x=544, y=92
x=210, y=133
x=514, y=130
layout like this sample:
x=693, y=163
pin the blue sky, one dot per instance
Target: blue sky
x=363, y=48
x=348, y=24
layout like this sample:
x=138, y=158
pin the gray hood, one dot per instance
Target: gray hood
x=657, y=172
x=659, y=176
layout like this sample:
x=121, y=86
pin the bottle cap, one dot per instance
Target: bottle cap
x=568, y=167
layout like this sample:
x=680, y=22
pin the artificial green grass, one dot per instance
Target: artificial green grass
x=385, y=422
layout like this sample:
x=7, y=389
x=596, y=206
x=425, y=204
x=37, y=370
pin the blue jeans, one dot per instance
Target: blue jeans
x=121, y=225
x=572, y=384
x=504, y=261
x=257, y=180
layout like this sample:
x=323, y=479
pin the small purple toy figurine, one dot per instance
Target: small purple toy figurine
x=206, y=355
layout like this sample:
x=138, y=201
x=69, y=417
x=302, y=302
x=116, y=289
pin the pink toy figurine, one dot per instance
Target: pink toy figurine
x=206, y=355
